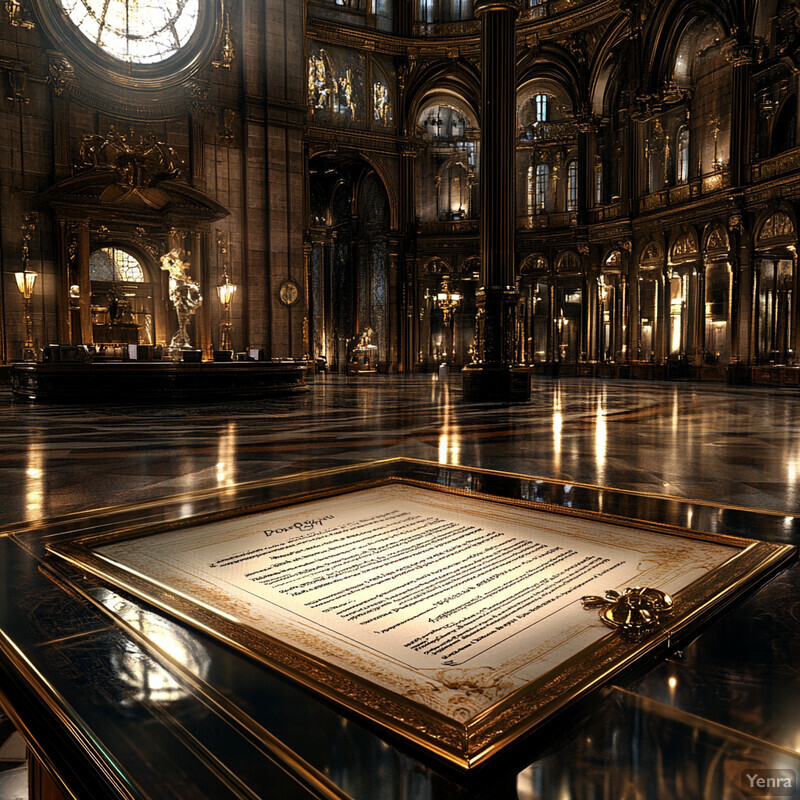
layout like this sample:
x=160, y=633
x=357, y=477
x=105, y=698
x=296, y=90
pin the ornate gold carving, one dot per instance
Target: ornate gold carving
x=715, y=182
x=227, y=54
x=199, y=94
x=138, y=162
x=17, y=14
x=771, y=167
x=778, y=226
x=717, y=240
x=685, y=246
x=635, y=612
x=60, y=74
x=680, y=194
x=651, y=254
x=653, y=201
x=738, y=55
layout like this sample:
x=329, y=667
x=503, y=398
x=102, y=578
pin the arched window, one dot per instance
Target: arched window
x=541, y=103
x=122, y=301
x=542, y=179
x=115, y=265
x=683, y=155
x=572, y=186
x=133, y=31
x=447, y=185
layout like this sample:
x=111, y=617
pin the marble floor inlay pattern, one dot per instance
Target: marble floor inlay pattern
x=738, y=446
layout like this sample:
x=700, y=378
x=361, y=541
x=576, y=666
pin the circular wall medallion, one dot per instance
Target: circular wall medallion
x=289, y=293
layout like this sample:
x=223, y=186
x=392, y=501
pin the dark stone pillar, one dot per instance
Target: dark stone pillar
x=407, y=256
x=700, y=318
x=496, y=375
x=84, y=283
x=741, y=57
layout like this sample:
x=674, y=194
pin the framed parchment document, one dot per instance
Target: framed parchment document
x=451, y=617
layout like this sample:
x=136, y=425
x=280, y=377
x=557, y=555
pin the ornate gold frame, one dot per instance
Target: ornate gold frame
x=526, y=709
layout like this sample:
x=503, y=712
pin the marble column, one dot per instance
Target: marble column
x=496, y=375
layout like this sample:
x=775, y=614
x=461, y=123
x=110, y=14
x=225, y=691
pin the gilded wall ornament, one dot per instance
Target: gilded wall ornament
x=60, y=74
x=227, y=53
x=17, y=14
x=717, y=239
x=685, y=246
x=139, y=162
x=289, y=293
x=778, y=226
x=199, y=95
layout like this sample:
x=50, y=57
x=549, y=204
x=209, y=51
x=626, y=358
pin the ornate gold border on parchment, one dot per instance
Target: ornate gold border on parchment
x=523, y=710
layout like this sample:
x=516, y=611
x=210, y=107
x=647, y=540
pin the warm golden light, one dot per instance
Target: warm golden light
x=226, y=292
x=34, y=483
x=25, y=282
x=226, y=457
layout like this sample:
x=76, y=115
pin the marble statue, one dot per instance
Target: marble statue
x=185, y=295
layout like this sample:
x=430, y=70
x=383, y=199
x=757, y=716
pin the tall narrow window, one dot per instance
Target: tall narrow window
x=531, y=191
x=541, y=101
x=683, y=156
x=542, y=179
x=598, y=185
x=572, y=186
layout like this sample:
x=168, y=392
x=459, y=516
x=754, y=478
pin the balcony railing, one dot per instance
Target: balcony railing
x=448, y=227
x=677, y=195
x=539, y=132
x=777, y=165
x=467, y=27
x=611, y=211
x=538, y=222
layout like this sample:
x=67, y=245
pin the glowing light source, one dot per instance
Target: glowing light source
x=136, y=31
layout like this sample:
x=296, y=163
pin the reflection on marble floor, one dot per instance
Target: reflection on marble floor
x=687, y=729
x=13, y=770
x=731, y=445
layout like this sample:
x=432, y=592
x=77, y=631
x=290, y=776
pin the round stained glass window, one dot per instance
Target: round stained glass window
x=135, y=31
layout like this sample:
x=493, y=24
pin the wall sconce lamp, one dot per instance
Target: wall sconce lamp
x=26, y=280
x=225, y=292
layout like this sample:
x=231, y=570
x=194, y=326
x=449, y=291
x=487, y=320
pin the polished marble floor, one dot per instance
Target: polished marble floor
x=729, y=699
x=738, y=446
